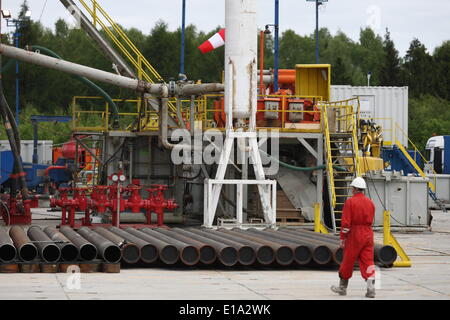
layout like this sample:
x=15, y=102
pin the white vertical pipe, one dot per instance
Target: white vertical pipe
x=240, y=56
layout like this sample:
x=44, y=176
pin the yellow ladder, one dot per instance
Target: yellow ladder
x=341, y=144
x=145, y=71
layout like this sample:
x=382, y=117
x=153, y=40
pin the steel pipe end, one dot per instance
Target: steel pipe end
x=285, y=256
x=88, y=252
x=207, y=254
x=169, y=254
x=265, y=255
x=322, y=255
x=303, y=255
x=7, y=253
x=339, y=255
x=131, y=253
x=247, y=255
x=69, y=252
x=112, y=254
x=28, y=252
x=149, y=253
x=190, y=255
x=387, y=255
x=51, y=253
x=228, y=256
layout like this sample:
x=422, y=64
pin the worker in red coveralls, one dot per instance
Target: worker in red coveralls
x=357, y=239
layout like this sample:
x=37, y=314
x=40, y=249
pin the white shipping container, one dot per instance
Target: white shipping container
x=45, y=150
x=387, y=106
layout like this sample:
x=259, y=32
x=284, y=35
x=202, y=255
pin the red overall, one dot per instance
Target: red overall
x=356, y=230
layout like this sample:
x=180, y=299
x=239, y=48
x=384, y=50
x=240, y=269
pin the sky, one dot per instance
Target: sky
x=427, y=20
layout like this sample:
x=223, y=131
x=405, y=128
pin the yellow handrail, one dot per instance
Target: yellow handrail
x=324, y=114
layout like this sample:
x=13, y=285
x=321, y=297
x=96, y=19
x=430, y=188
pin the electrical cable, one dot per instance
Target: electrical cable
x=43, y=9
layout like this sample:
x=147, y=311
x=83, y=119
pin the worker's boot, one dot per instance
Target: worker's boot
x=370, y=288
x=342, y=288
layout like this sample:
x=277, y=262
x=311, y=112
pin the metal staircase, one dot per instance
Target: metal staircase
x=341, y=147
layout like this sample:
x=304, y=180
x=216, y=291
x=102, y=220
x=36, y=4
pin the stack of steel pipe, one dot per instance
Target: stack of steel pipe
x=130, y=251
x=107, y=250
x=7, y=250
x=86, y=249
x=167, y=252
x=26, y=249
x=148, y=252
x=69, y=252
x=207, y=253
x=189, y=254
x=226, y=254
x=384, y=254
x=284, y=255
x=48, y=250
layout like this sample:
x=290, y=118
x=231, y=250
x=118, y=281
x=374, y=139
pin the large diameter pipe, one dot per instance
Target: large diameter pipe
x=26, y=249
x=385, y=254
x=107, y=250
x=189, y=254
x=48, y=251
x=264, y=254
x=240, y=57
x=207, y=253
x=69, y=251
x=87, y=250
x=322, y=252
x=167, y=253
x=130, y=251
x=246, y=254
x=226, y=254
x=303, y=253
x=7, y=250
x=148, y=252
x=284, y=254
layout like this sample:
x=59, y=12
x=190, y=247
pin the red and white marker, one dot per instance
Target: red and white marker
x=214, y=42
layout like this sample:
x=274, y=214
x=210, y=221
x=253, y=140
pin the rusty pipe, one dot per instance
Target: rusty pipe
x=303, y=253
x=322, y=252
x=148, y=252
x=189, y=254
x=69, y=251
x=207, y=252
x=130, y=251
x=107, y=250
x=167, y=253
x=246, y=254
x=265, y=254
x=284, y=255
x=7, y=250
x=86, y=249
x=226, y=254
x=48, y=251
x=26, y=249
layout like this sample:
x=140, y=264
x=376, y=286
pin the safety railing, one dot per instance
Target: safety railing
x=326, y=130
x=145, y=71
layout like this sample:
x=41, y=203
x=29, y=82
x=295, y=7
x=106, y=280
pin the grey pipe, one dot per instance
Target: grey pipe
x=264, y=254
x=167, y=253
x=226, y=254
x=69, y=252
x=107, y=250
x=246, y=254
x=26, y=249
x=48, y=251
x=7, y=250
x=148, y=252
x=207, y=252
x=189, y=254
x=87, y=250
x=130, y=251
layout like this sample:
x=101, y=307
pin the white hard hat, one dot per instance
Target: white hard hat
x=359, y=183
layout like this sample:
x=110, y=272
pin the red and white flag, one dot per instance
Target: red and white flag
x=214, y=42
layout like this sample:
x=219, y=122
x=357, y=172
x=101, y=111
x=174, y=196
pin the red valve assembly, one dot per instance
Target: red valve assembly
x=105, y=200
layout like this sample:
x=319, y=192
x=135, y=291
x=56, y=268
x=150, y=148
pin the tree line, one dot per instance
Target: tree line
x=426, y=74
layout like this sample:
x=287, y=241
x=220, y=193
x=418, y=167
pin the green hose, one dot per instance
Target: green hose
x=115, y=110
x=289, y=166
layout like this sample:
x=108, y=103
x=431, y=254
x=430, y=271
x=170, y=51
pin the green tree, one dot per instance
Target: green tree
x=441, y=70
x=390, y=70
